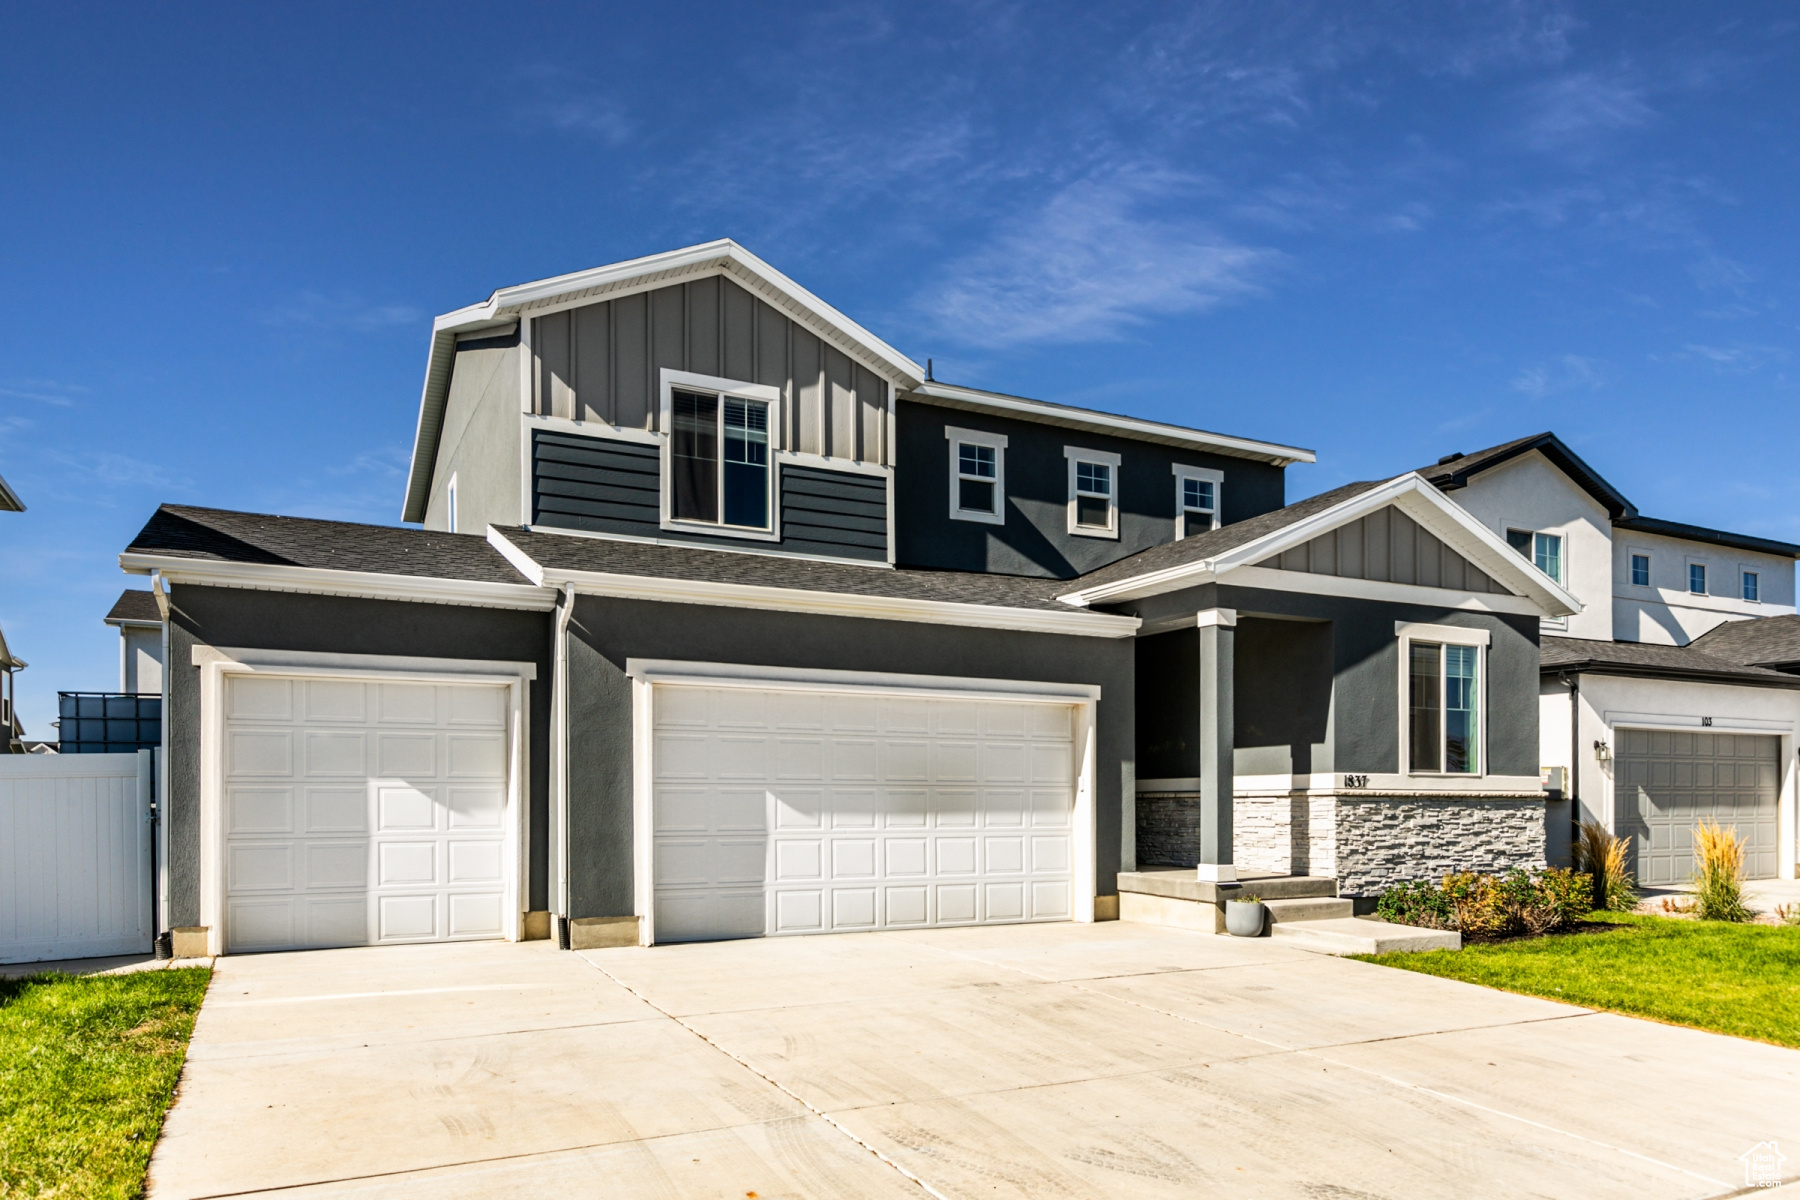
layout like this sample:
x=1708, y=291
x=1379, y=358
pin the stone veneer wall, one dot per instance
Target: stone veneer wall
x=1369, y=843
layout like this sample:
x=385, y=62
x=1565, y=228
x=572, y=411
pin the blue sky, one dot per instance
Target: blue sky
x=1383, y=231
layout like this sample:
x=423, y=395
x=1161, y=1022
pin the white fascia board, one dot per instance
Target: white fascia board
x=272, y=577
x=743, y=675
x=1410, y=493
x=832, y=604
x=1135, y=427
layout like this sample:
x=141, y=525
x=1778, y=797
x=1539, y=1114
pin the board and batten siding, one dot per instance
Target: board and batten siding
x=600, y=485
x=1387, y=546
x=603, y=362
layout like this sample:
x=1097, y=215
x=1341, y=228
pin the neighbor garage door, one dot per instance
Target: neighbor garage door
x=1669, y=781
x=786, y=812
x=361, y=812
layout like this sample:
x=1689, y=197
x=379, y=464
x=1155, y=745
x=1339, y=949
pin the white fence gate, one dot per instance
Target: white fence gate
x=74, y=856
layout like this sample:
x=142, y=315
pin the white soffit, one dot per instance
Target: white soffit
x=1412, y=495
x=526, y=300
x=1132, y=427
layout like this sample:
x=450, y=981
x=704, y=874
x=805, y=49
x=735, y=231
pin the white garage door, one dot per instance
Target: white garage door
x=361, y=812
x=783, y=812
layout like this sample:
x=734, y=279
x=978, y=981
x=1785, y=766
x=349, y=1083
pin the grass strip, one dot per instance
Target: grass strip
x=1738, y=979
x=87, y=1067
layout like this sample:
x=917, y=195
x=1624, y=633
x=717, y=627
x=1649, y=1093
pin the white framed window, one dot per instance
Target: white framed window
x=450, y=501
x=1750, y=584
x=1640, y=569
x=977, y=475
x=1443, y=691
x=718, y=455
x=1093, y=492
x=1696, y=578
x=1197, y=499
x=1542, y=550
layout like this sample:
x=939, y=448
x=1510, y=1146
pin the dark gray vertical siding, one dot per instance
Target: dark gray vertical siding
x=602, y=362
x=602, y=485
x=1389, y=546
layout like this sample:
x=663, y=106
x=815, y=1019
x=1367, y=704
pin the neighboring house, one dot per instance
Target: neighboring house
x=1660, y=690
x=139, y=622
x=9, y=717
x=727, y=621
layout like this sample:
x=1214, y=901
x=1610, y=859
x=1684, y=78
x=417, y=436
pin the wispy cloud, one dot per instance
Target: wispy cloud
x=316, y=310
x=1098, y=257
x=1735, y=360
x=1561, y=374
x=1578, y=113
x=44, y=391
x=106, y=469
x=387, y=462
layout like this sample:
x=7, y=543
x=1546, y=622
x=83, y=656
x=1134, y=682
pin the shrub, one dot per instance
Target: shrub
x=1719, y=874
x=1599, y=854
x=1492, y=906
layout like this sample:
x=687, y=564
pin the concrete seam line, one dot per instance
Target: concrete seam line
x=788, y=1092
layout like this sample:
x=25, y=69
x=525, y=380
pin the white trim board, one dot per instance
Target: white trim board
x=275, y=577
x=1409, y=493
x=840, y=604
x=1378, y=786
x=749, y=675
x=216, y=663
x=1671, y=721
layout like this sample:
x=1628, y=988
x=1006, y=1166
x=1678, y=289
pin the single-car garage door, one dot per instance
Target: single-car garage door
x=362, y=812
x=1669, y=781
x=787, y=812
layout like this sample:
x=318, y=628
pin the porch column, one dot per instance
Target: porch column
x=1218, y=631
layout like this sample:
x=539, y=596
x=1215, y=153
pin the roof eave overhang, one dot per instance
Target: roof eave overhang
x=9, y=499
x=839, y=604
x=1410, y=493
x=950, y=396
x=526, y=300
x=275, y=577
x=1712, y=537
x=1672, y=674
x=1563, y=459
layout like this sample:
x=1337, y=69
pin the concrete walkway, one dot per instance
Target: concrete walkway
x=1111, y=1060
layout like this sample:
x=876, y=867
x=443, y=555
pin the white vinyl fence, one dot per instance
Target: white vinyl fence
x=74, y=856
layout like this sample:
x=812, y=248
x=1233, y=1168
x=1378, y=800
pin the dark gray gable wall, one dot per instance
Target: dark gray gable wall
x=242, y=618
x=1388, y=546
x=1035, y=539
x=603, y=362
x=604, y=485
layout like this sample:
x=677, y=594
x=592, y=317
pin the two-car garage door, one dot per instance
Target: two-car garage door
x=793, y=811
x=359, y=812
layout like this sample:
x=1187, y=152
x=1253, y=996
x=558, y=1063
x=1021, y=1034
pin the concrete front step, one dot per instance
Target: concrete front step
x=1363, y=935
x=1309, y=908
x=1181, y=883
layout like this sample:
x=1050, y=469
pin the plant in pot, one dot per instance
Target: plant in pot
x=1245, y=915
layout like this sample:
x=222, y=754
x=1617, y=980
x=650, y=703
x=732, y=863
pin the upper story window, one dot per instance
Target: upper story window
x=1196, y=499
x=1640, y=570
x=977, y=475
x=1443, y=672
x=1752, y=587
x=1697, y=579
x=719, y=455
x=1093, y=492
x=1544, y=550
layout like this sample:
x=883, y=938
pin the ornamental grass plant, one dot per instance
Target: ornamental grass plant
x=1719, y=874
x=1601, y=855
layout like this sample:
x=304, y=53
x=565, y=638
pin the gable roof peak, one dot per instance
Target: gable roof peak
x=1456, y=470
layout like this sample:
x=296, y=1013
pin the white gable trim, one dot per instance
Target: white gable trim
x=323, y=581
x=1412, y=495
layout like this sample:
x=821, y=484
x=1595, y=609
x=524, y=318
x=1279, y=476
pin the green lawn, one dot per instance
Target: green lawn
x=87, y=1066
x=1737, y=979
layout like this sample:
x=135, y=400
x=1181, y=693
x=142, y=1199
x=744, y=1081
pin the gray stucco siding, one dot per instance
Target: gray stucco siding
x=244, y=619
x=605, y=485
x=1035, y=539
x=605, y=633
x=1364, y=704
x=479, y=443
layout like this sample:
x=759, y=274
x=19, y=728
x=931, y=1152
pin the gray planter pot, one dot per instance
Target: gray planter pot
x=1244, y=918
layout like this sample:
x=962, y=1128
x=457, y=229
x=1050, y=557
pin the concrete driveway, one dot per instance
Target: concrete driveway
x=1051, y=1060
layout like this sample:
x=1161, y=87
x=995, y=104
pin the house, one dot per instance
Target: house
x=1672, y=695
x=724, y=620
x=14, y=733
x=139, y=622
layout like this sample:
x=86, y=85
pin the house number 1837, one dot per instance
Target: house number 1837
x=1356, y=781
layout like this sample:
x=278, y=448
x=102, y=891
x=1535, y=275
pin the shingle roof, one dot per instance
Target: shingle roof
x=1763, y=642
x=1643, y=658
x=561, y=552
x=134, y=605
x=218, y=535
x=1226, y=537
